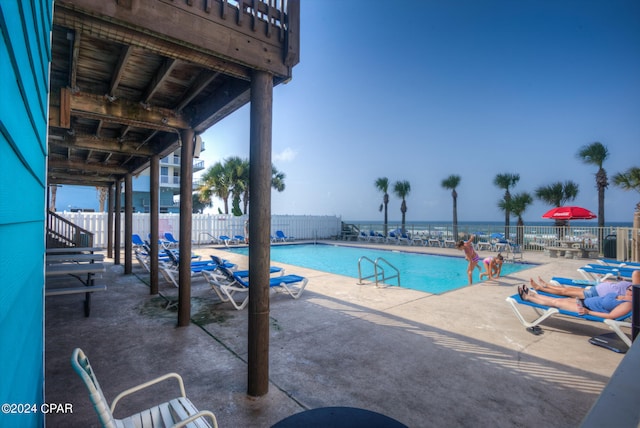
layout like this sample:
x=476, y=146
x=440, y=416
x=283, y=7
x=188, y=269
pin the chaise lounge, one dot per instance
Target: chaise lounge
x=545, y=312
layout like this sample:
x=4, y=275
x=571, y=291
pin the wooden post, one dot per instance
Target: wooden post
x=128, y=223
x=635, y=237
x=259, y=232
x=186, y=212
x=110, y=203
x=154, y=209
x=117, y=243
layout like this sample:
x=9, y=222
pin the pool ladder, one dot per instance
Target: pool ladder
x=378, y=270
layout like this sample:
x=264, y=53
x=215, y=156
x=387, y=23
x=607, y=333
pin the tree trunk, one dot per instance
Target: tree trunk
x=455, y=216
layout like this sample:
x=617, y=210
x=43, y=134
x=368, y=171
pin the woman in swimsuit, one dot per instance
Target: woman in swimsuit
x=609, y=306
x=469, y=254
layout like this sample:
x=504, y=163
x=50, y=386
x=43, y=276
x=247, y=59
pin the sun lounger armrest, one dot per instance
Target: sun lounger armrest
x=200, y=414
x=146, y=385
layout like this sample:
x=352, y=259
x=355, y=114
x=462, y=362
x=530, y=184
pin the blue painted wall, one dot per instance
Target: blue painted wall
x=25, y=27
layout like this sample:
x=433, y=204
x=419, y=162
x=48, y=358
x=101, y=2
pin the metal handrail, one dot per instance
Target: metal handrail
x=384, y=277
x=378, y=270
x=360, y=277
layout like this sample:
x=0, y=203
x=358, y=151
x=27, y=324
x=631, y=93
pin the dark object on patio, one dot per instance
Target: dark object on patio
x=611, y=341
x=339, y=417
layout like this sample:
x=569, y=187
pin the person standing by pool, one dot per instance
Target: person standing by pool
x=471, y=255
x=492, y=266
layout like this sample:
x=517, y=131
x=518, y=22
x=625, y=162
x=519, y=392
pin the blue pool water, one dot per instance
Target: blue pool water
x=424, y=272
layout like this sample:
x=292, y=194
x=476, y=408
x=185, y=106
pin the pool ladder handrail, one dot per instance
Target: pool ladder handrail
x=376, y=267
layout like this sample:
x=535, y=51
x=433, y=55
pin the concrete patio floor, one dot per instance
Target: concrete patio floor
x=456, y=359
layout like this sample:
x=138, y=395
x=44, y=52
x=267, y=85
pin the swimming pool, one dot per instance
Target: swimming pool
x=424, y=272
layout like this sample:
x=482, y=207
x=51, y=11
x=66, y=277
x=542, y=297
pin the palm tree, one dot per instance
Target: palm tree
x=402, y=189
x=382, y=184
x=103, y=192
x=215, y=182
x=595, y=154
x=277, y=179
x=558, y=194
x=629, y=180
x=506, y=181
x=452, y=182
x=277, y=183
x=518, y=205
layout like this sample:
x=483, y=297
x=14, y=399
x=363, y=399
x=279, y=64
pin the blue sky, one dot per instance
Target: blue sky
x=421, y=90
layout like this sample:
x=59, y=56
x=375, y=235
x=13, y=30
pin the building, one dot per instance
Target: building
x=169, y=185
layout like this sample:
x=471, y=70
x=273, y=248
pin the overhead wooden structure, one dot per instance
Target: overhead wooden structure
x=127, y=76
x=134, y=80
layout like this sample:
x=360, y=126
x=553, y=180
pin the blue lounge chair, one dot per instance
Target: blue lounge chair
x=137, y=241
x=282, y=237
x=600, y=273
x=170, y=241
x=573, y=282
x=242, y=273
x=226, y=284
x=226, y=240
x=619, y=263
x=614, y=324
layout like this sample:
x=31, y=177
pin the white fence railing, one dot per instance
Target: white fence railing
x=615, y=240
x=205, y=227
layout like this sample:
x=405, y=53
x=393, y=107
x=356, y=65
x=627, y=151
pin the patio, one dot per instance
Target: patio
x=456, y=359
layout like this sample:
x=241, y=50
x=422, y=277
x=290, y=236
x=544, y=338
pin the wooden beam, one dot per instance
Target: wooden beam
x=125, y=53
x=161, y=75
x=64, y=116
x=259, y=232
x=66, y=164
x=204, y=115
x=109, y=145
x=79, y=180
x=126, y=112
x=186, y=213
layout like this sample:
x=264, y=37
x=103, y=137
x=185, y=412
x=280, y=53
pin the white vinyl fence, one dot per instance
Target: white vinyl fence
x=207, y=227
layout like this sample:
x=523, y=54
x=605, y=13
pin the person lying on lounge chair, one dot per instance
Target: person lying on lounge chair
x=609, y=306
x=600, y=289
x=492, y=266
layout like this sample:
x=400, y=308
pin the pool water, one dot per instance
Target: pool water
x=423, y=272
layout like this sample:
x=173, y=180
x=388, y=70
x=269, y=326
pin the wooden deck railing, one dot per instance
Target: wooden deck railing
x=63, y=233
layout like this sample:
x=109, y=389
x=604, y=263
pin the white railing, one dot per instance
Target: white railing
x=532, y=238
x=207, y=226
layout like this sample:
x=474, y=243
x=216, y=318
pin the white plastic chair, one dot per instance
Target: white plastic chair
x=177, y=412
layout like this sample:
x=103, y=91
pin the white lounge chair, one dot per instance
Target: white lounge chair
x=545, y=312
x=226, y=284
x=178, y=412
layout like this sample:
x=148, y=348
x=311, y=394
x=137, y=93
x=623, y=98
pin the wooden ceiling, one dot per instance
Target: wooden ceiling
x=128, y=75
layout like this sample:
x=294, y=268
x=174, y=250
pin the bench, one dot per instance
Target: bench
x=73, y=258
x=77, y=270
x=568, y=252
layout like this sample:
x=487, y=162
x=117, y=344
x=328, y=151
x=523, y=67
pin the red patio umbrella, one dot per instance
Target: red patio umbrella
x=569, y=213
